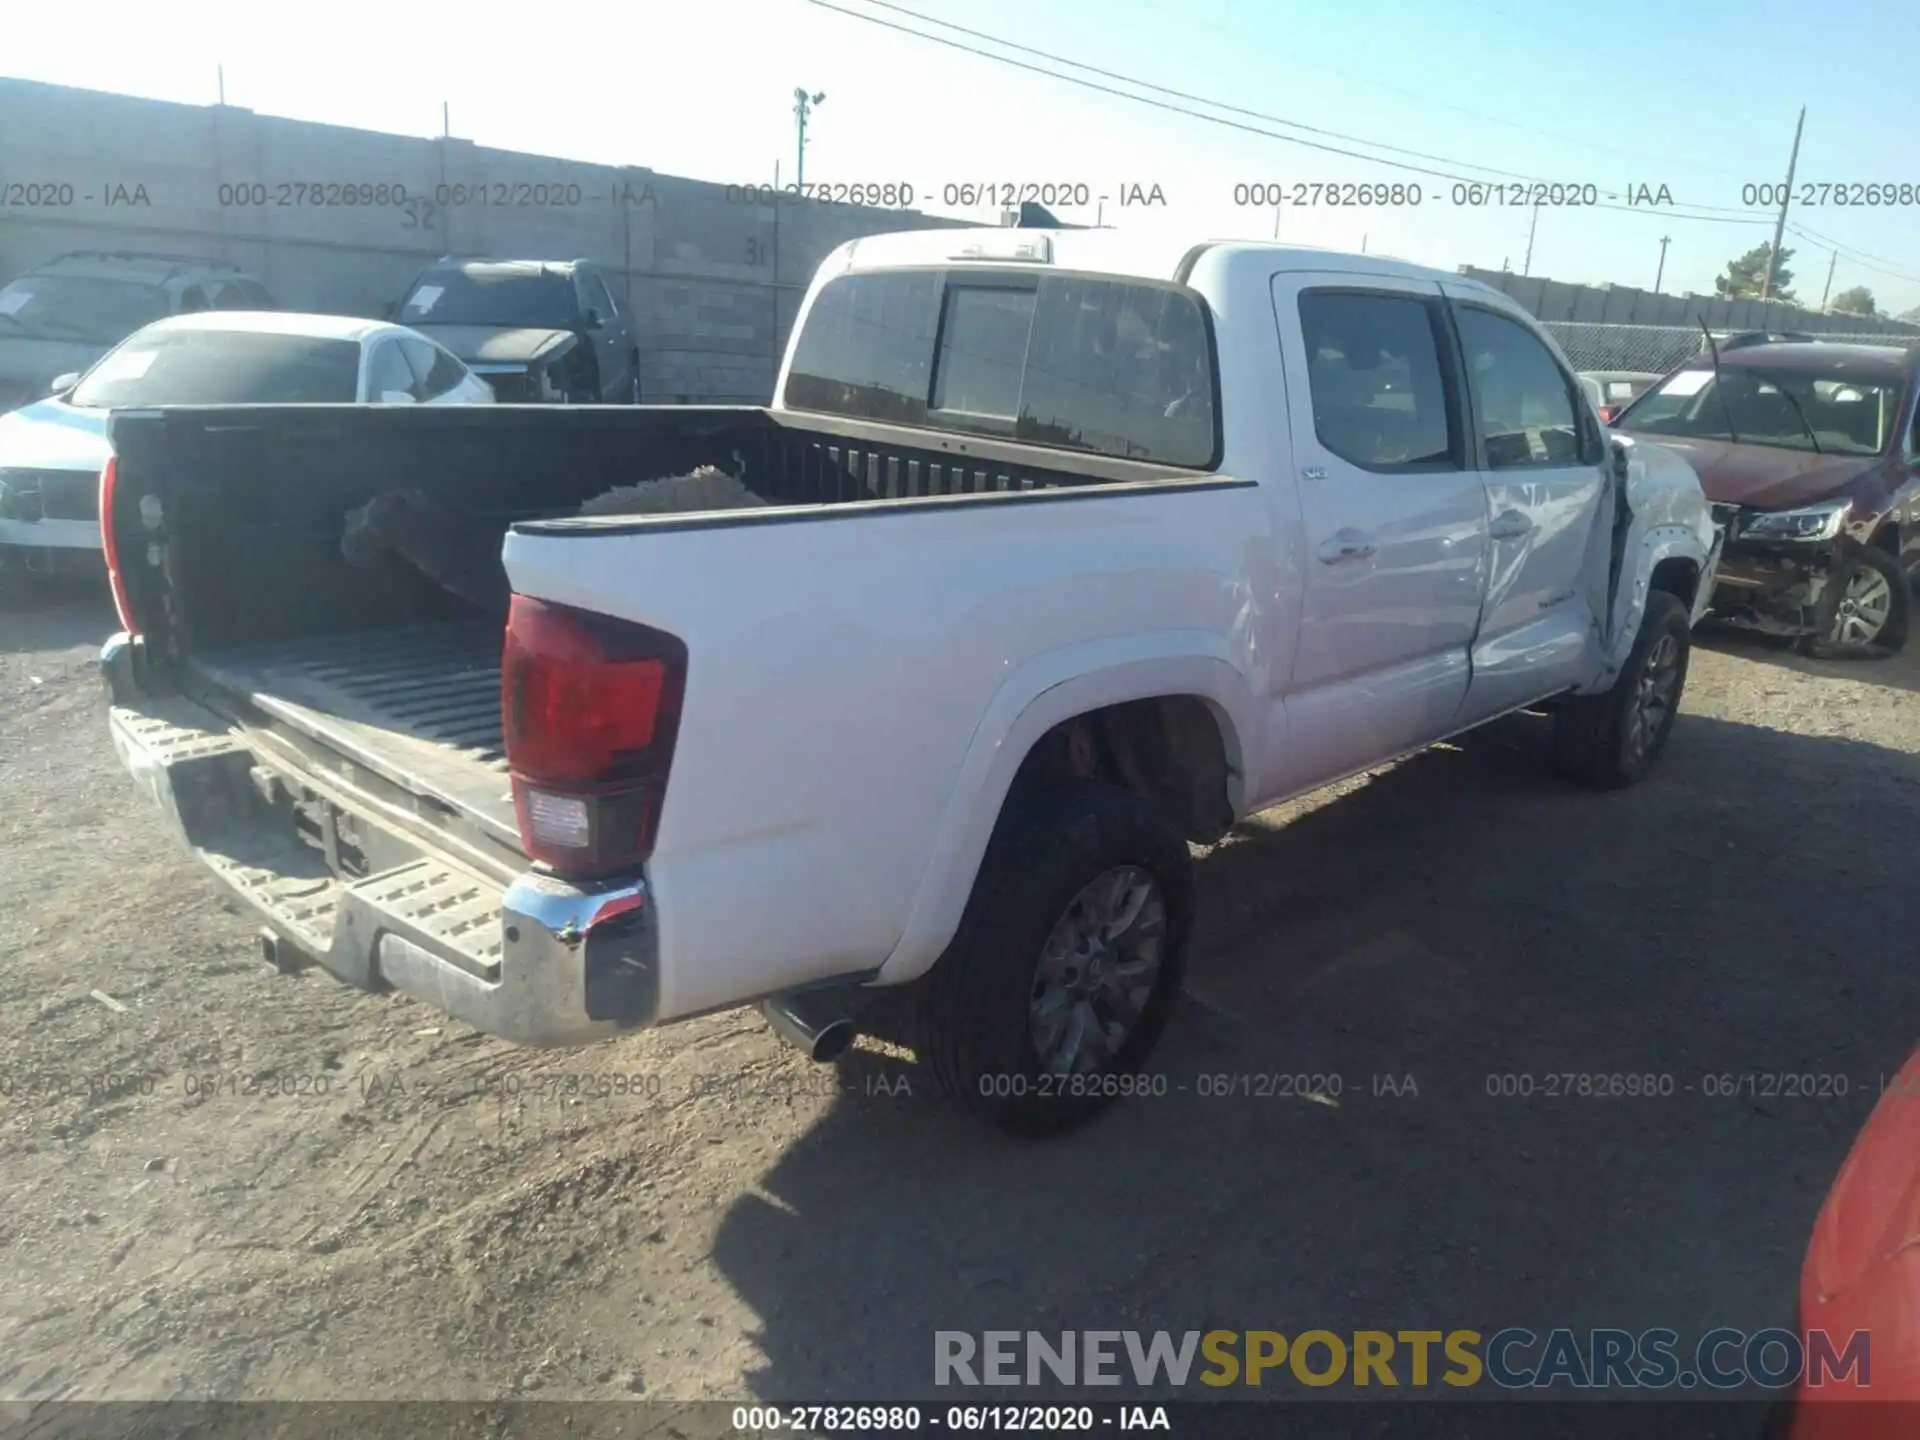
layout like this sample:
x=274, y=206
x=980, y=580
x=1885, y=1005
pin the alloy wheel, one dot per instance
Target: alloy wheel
x=1097, y=971
x=1654, y=696
x=1865, y=606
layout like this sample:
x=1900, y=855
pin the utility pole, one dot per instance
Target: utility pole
x=1526, y=266
x=220, y=78
x=1661, y=272
x=1786, y=194
x=803, y=104
x=446, y=122
x=1829, y=288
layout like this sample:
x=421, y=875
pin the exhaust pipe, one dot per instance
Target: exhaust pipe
x=815, y=1021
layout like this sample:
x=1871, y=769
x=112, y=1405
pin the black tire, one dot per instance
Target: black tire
x=970, y=1018
x=1594, y=739
x=1892, y=635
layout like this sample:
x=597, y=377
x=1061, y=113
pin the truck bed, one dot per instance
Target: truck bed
x=390, y=684
x=419, y=705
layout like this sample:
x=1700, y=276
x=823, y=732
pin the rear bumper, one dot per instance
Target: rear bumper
x=534, y=960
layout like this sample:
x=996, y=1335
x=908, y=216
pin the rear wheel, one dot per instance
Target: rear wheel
x=1067, y=961
x=1611, y=740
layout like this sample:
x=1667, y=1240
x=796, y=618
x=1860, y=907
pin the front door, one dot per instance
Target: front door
x=1544, y=457
x=1394, y=517
x=612, y=341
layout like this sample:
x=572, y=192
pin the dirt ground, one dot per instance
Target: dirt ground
x=225, y=1182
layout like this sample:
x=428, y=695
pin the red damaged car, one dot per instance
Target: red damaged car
x=1862, y=1272
x=1810, y=456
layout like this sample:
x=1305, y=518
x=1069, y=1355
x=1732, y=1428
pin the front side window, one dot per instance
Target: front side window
x=1526, y=408
x=1376, y=381
x=1102, y=366
x=214, y=367
x=1825, y=414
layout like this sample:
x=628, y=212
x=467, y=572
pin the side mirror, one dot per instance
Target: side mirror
x=390, y=311
x=64, y=383
x=396, y=397
x=593, y=320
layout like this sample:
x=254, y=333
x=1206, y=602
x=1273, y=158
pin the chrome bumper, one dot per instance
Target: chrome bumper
x=538, y=961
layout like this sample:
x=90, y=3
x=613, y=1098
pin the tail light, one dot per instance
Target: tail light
x=115, y=575
x=590, y=710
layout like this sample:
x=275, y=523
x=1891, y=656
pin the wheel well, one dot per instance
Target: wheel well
x=1887, y=538
x=1168, y=750
x=1677, y=576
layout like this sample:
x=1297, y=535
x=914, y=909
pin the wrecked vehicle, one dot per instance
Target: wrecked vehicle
x=1804, y=449
x=538, y=331
x=65, y=313
x=1079, y=547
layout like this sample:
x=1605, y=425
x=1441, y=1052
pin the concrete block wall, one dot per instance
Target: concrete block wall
x=1627, y=305
x=713, y=275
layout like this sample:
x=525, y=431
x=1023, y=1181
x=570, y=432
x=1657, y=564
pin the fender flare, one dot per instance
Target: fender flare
x=1046, y=690
x=1660, y=542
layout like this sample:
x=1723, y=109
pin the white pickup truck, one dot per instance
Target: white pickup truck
x=1078, y=550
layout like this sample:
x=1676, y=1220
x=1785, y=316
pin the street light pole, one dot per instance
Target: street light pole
x=1660, y=273
x=1526, y=266
x=803, y=104
x=1829, y=287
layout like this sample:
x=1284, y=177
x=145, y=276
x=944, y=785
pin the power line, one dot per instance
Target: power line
x=1585, y=142
x=1187, y=95
x=1741, y=219
x=1857, y=256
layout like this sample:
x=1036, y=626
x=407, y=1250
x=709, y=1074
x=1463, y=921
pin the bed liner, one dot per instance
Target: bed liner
x=418, y=705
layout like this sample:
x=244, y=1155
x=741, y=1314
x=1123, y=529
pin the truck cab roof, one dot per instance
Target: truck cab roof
x=1114, y=252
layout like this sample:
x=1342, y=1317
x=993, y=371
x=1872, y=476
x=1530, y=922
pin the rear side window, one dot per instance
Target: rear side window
x=434, y=369
x=389, y=373
x=1083, y=363
x=1379, y=389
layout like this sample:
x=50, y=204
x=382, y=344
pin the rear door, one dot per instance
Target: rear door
x=1541, y=454
x=1394, y=515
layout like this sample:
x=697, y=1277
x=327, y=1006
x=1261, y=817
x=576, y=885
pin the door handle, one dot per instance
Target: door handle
x=1510, y=525
x=1346, y=545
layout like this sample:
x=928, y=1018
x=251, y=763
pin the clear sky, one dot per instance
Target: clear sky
x=1698, y=96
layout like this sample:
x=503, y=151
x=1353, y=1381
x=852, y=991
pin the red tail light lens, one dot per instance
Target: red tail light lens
x=122, y=606
x=590, y=709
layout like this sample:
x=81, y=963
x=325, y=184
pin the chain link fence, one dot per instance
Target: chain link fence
x=1591, y=345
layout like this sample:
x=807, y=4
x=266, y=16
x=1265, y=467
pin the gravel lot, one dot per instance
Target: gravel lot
x=315, y=1193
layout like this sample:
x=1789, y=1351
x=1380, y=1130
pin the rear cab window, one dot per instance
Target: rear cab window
x=1098, y=364
x=1378, y=380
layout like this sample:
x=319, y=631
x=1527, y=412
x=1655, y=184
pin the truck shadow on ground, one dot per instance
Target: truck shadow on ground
x=1455, y=930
